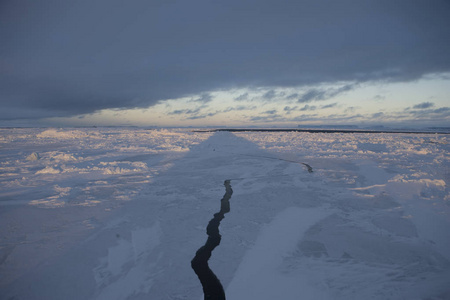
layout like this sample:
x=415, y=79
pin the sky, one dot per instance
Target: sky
x=224, y=63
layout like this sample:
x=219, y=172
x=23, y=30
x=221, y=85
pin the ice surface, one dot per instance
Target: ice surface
x=118, y=213
x=259, y=277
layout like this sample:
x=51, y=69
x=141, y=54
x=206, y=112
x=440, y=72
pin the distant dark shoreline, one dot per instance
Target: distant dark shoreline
x=319, y=130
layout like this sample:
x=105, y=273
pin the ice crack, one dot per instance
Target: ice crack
x=212, y=288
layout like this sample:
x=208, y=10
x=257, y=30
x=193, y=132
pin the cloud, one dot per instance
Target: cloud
x=184, y=111
x=436, y=116
x=196, y=117
x=423, y=105
x=135, y=54
x=292, y=96
x=270, y=112
x=239, y=108
x=445, y=110
x=202, y=112
x=379, y=97
x=350, y=109
x=308, y=108
x=442, y=111
x=188, y=111
x=329, y=105
x=411, y=117
x=289, y=109
x=324, y=94
x=378, y=115
x=204, y=98
x=241, y=97
x=269, y=95
x=312, y=94
x=193, y=114
x=267, y=116
x=304, y=118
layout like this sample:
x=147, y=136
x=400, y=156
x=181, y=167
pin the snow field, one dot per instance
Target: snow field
x=118, y=213
x=258, y=276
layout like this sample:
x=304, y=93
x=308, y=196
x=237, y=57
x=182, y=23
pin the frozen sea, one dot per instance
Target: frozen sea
x=118, y=213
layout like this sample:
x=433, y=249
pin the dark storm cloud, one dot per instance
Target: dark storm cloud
x=63, y=58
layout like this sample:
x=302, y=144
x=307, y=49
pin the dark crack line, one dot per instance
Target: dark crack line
x=212, y=288
x=310, y=170
x=308, y=167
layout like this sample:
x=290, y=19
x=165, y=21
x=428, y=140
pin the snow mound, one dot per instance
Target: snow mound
x=33, y=156
x=48, y=170
x=64, y=134
x=64, y=157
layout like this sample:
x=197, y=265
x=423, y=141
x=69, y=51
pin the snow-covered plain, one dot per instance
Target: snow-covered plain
x=118, y=213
